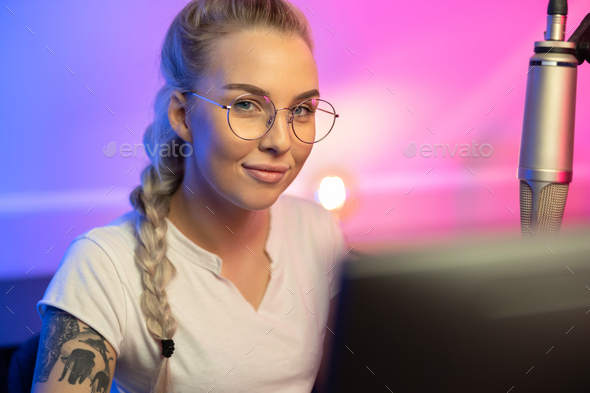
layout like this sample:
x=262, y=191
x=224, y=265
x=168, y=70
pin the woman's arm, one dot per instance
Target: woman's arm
x=321, y=382
x=72, y=356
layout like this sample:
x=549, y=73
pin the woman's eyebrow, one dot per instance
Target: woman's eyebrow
x=307, y=94
x=257, y=90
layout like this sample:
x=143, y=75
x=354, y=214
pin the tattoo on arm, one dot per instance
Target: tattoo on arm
x=101, y=378
x=79, y=364
x=60, y=328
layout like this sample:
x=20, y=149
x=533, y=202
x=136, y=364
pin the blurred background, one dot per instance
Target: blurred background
x=76, y=76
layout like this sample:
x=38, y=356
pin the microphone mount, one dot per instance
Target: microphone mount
x=581, y=38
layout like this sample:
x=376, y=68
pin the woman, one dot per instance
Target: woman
x=212, y=264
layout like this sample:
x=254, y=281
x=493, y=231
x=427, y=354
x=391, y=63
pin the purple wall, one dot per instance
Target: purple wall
x=397, y=72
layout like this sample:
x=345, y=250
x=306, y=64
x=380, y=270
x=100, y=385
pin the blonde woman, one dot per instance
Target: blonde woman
x=214, y=282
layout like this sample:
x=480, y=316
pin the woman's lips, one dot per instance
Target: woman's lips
x=265, y=176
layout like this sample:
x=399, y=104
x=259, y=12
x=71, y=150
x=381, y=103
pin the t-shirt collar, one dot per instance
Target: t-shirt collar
x=195, y=253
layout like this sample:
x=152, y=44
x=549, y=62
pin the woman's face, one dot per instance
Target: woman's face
x=284, y=68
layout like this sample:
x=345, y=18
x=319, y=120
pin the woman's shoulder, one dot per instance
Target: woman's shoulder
x=116, y=235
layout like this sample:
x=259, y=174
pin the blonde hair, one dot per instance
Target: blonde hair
x=186, y=58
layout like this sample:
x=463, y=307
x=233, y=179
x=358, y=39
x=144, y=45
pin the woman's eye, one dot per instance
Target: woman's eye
x=244, y=105
x=302, y=111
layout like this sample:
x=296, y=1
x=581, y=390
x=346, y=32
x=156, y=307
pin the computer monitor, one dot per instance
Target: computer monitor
x=473, y=315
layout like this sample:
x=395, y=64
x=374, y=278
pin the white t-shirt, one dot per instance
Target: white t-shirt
x=221, y=341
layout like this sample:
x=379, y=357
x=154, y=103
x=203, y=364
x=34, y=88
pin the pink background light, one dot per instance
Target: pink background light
x=397, y=72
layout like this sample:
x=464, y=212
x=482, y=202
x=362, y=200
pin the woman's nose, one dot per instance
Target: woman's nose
x=271, y=123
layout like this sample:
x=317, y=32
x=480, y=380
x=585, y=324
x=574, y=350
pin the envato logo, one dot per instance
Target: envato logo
x=164, y=150
x=465, y=150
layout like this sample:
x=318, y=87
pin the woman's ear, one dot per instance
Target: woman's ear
x=177, y=117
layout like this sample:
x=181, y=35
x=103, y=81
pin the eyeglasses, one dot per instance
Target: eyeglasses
x=251, y=116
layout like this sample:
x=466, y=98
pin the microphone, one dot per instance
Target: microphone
x=547, y=142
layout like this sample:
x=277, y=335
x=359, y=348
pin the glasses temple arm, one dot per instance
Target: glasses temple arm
x=319, y=109
x=213, y=102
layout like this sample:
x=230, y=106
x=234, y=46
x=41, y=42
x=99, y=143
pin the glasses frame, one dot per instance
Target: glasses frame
x=273, y=117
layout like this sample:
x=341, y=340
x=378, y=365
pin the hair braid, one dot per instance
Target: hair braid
x=152, y=201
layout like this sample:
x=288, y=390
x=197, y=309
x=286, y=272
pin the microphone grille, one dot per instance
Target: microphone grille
x=552, y=200
x=551, y=206
x=526, y=209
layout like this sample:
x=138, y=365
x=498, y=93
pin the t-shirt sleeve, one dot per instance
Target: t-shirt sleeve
x=337, y=253
x=87, y=286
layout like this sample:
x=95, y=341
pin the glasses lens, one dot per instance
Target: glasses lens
x=313, y=120
x=250, y=116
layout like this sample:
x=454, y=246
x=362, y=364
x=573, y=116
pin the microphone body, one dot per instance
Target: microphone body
x=547, y=142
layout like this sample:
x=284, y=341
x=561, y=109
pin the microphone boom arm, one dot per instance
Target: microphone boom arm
x=581, y=37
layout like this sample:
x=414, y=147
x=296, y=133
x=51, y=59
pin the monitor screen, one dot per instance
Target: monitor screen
x=474, y=315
